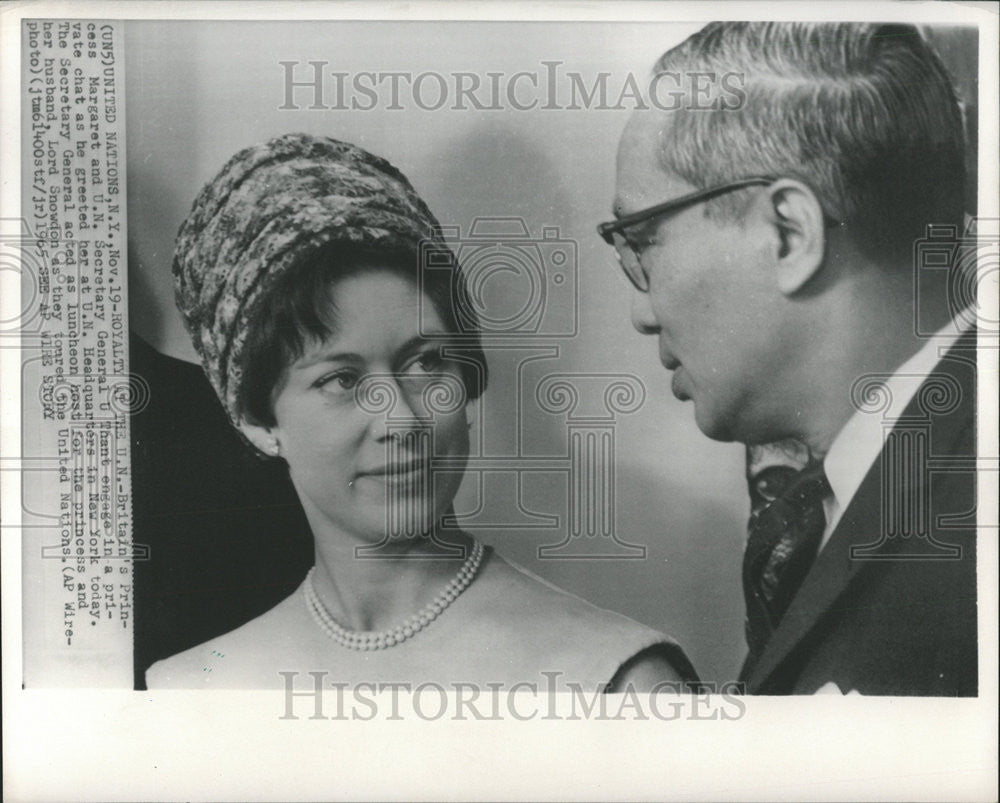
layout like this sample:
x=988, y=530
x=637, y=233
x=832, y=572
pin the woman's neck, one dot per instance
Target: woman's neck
x=368, y=585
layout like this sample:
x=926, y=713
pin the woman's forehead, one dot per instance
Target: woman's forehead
x=374, y=312
x=381, y=297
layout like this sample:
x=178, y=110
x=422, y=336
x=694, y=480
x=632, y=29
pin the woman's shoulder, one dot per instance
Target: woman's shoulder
x=579, y=637
x=235, y=659
x=518, y=590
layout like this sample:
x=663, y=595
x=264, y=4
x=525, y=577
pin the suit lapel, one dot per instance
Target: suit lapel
x=861, y=525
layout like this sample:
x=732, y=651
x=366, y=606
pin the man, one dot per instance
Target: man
x=784, y=293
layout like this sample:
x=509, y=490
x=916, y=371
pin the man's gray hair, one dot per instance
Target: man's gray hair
x=865, y=114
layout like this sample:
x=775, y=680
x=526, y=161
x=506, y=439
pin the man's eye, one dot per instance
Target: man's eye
x=638, y=242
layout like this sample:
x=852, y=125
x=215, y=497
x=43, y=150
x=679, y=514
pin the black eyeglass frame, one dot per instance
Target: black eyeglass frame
x=609, y=229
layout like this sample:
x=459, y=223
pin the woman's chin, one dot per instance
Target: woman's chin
x=408, y=518
x=374, y=514
x=403, y=508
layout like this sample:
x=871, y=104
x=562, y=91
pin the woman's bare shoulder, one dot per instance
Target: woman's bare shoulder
x=513, y=586
x=548, y=618
x=508, y=592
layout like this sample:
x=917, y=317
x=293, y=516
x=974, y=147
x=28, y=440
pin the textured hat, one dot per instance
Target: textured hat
x=269, y=208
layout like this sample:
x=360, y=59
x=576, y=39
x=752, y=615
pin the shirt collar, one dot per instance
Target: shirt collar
x=859, y=442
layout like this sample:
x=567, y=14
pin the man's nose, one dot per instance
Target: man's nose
x=643, y=318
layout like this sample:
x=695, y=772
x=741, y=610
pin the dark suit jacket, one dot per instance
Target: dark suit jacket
x=889, y=606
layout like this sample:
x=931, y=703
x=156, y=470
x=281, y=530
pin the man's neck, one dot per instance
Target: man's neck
x=872, y=329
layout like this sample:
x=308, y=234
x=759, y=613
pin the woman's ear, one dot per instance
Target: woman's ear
x=263, y=438
x=799, y=225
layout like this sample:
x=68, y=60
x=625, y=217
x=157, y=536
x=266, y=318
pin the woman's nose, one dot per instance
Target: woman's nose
x=643, y=318
x=403, y=413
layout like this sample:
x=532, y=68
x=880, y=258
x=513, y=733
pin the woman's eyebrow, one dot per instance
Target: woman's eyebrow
x=322, y=356
x=423, y=339
x=410, y=345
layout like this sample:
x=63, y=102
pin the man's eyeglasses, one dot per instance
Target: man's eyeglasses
x=612, y=231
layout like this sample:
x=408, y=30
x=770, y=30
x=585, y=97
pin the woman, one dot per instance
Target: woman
x=297, y=273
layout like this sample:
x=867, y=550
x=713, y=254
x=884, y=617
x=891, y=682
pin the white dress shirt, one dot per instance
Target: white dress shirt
x=861, y=439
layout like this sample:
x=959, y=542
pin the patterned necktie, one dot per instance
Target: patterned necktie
x=784, y=537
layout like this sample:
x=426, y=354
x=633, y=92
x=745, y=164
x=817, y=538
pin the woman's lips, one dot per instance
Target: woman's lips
x=395, y=470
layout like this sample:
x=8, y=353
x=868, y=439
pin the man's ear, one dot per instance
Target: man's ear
x=264, y=438
x=800, y=233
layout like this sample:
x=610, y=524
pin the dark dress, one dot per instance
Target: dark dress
x=226, y=536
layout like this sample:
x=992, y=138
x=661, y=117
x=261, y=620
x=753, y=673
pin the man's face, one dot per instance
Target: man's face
x=711, y=302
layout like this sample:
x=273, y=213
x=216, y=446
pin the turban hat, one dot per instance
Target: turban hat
x=270, y=207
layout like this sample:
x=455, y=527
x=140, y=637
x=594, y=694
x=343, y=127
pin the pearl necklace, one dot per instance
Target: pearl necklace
x=380, y=640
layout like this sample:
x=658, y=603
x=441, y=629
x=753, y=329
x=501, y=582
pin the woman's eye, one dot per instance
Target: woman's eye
x=338, y=381
x=430, y=362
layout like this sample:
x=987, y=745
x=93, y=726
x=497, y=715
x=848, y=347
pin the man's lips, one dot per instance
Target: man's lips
x=670, y=362
x=677, y=383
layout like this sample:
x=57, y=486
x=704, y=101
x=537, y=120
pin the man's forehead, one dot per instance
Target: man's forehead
x=640, y=174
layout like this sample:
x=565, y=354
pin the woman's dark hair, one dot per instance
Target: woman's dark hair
x=300, y=307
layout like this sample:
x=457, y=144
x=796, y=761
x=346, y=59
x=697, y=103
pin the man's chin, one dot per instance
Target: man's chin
x=713, y=427
x=729, y=430
x=678, y=384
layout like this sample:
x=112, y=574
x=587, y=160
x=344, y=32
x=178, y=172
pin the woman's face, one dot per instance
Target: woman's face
x=369, y=418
